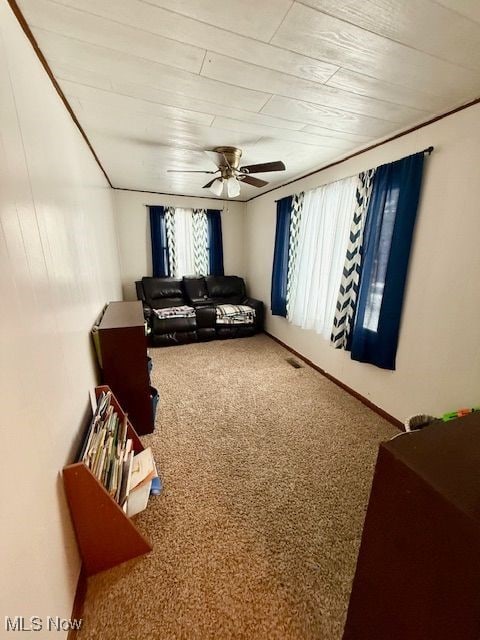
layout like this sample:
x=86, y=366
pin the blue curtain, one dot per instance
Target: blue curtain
x=215, y=242
x=280, y=257
x=386, y=249
x=159, y=242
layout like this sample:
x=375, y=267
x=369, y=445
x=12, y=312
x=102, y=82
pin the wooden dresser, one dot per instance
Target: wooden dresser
x=123, y=346
x=418, y=570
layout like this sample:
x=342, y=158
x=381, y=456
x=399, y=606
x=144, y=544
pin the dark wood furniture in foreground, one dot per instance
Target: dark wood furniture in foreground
x=106, y=536
x=418, y=570
x=123, y=346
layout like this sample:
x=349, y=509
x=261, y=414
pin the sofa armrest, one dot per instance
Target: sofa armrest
x=147, y=309
x=200, y=302
x=139, y=290
x=206, y=316
x=259, y=311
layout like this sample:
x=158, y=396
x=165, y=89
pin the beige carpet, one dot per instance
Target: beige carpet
x=267, y=471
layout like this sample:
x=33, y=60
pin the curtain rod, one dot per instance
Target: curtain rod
x=427, y=151
x=171, y=205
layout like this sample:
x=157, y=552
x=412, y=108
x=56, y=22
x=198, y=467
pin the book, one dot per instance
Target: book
x=104, y=398
x=108, y=453
x=143, y=468
x=118, y=487
x=126, y=473
x=141, y=475
x=138, y=498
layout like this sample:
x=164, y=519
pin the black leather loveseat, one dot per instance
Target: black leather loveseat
x=198, y=308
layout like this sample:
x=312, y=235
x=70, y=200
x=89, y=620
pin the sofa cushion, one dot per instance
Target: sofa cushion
x=196, y=290
x=163, y=292
x=226, y=289
x=182, y=311
x=234, y=314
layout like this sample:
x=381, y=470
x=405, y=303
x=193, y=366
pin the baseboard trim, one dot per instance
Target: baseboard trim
x=342, y=385
x=78, y=603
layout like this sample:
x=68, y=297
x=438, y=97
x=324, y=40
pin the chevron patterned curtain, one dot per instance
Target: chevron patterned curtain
x=170, y=231
x=295, y=219
x=347, y=296
x=200, y=242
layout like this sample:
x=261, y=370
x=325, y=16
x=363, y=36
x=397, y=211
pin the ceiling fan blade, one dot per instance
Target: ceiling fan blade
x=209, y=184
x=187, y=171
x=256, y=182
x=264, y=167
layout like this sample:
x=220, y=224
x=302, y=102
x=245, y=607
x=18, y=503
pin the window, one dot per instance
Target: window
x=322, y=243
x=186, y=241
x=341, y=258
x=375, y=294
x=185, y=254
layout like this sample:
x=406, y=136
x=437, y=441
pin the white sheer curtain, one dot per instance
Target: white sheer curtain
x=184, y=249
x=322, y=243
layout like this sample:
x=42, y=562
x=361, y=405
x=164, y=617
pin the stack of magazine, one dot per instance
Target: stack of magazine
x=109, y=455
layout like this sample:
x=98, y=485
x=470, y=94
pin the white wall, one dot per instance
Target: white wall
x=438, y=360
x=134, y=233
x=58, y=265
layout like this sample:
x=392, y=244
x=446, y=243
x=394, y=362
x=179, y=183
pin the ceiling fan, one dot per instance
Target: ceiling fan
x=231, y=173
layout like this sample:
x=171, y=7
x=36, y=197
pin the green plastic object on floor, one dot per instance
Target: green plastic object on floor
x=452, y=415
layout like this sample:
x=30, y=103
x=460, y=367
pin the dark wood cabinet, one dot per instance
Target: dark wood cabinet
x=123, y=347
x=418, y=570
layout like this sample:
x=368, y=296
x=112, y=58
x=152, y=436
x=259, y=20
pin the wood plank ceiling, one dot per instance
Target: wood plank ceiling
x=155, y=82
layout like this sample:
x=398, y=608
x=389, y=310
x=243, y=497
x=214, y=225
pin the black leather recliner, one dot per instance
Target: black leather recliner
x=204, y=295
x=231, y=290
x=165, y=293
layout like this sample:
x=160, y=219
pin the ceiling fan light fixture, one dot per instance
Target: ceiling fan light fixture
x=217, y=187
x=232, y=175
x=233, y=187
